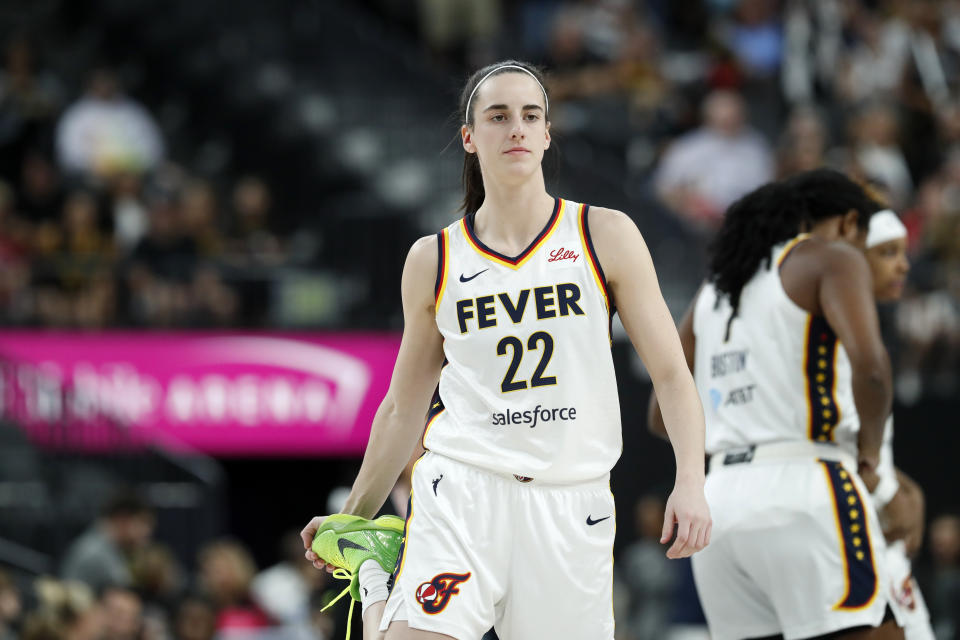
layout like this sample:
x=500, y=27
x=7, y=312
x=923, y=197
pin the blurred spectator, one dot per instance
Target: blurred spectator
x=73, y=264
x=159, y=579
x=873, y=66
x=157, y=575
x=932, y=63
x=101, y=555
x=41, y=194
x=944, y=594
x=284, y=589
x=253, y=240
x=929, y=328
x=130, y=216
x=11, y=608
x=704, y=171
x=803, y=144
x=213, y=302
x=874, y=136
x=322, y=623
x=585, y=33
x=161, y=265
x=122, y=611
x=812, y=33
x=15, y=266
x=196, y=619
x=463, y=30
x=226, y=574
x=649, y=574
x=629, y=66
x=200, y=218
x=29, y=100
x=65, y=611
x=84, y=249
x=106, y=132
x=755, y=37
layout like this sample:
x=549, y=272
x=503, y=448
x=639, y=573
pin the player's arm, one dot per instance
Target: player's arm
x=633, y=283
x=398, y=422
x=688, y=342
x=846, y=298
x=903, y=517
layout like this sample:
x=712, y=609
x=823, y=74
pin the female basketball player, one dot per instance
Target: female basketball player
x=897, y=497
x=785, y=347
x=511, y=522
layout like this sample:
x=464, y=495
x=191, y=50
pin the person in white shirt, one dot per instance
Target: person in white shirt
x=105, y=132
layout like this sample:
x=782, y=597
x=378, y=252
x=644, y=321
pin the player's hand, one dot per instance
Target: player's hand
x=307, y=535
x=687, y=510
x=902, y=519
x=867, y=470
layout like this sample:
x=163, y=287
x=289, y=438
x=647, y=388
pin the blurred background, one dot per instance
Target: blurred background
x=204, y=212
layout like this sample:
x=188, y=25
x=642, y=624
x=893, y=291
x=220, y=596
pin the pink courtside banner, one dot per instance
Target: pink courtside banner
x=233, y=394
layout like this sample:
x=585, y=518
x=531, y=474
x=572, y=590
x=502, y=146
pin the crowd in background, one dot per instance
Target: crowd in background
x=103, y=225
x=117, y=582
x=105, y=222
x=99, y=228
x=721, y=96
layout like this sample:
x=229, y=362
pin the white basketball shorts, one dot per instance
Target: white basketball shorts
x=795, y=549
x=485, y=550
x=903, y=589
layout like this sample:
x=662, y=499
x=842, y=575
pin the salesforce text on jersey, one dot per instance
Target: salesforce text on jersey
x=532, y=417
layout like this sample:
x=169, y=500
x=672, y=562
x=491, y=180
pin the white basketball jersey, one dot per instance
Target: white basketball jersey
x=886, y=468
x=781, y=375
x=528, y=387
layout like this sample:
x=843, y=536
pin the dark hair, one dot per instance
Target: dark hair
x=772, y=214
x=473, y=192
x=126, y=502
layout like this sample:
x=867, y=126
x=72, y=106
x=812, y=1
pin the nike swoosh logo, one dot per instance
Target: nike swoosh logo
x=343, y=544
x=591, y=521
x=462, y=279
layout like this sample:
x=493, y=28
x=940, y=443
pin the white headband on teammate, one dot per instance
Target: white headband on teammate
x=884, y=227
x=501, y=68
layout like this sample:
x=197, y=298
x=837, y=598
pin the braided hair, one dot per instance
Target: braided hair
x=775, y=213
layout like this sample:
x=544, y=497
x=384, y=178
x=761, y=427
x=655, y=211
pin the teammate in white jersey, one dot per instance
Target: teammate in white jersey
x=512, y=522
x=785, y=347
x=897, y=497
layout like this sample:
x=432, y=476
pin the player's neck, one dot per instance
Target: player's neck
x=511, y=216
x=828, y=229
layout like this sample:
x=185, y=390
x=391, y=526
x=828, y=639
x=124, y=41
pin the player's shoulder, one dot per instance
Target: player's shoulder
x=424, y=244
x=423, y=255
x=829, y=255
x=605, y=216
x=608, y=225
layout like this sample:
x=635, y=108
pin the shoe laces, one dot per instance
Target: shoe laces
x=343, y=574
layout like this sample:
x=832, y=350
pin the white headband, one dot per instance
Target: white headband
x=501, y=68
x=884, y=227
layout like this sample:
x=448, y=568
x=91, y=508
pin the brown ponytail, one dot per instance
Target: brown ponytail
x=473, y=192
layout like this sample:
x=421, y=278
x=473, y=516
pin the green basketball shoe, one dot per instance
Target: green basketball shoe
x=347, y=541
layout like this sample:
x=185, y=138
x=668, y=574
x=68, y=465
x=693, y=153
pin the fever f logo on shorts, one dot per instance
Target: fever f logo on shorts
x=434, y=596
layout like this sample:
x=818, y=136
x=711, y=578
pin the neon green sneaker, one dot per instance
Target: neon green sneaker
x=347, y=541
